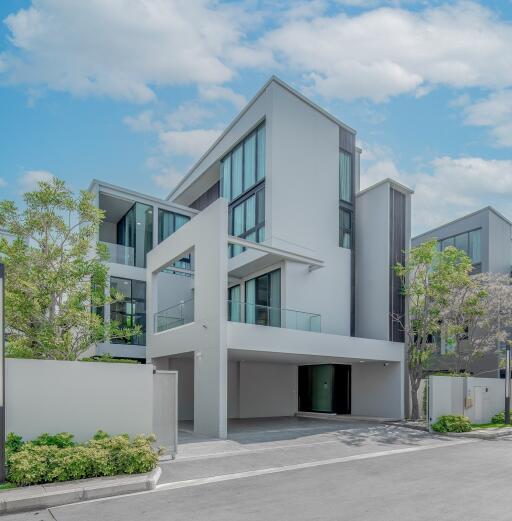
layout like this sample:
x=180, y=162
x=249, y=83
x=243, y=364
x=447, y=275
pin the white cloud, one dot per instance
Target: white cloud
x=142, y=122
x=216, y=92
x=495, y=112
x=168, y=178
x=29, y=179
x=190, y=143
x=448, y=187
x=390, y=51
x=121, y=48
x=3, y=182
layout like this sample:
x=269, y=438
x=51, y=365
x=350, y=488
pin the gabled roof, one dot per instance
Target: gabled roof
x=486, y=209
x=284, y=85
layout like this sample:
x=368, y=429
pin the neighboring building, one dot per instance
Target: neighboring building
x=133, y=225
x=276, y=296
x=486, y=236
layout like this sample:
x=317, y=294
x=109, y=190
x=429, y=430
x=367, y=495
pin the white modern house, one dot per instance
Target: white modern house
x=269, y=281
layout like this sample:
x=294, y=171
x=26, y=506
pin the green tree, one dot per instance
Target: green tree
x=56, y=275
x=428, y=279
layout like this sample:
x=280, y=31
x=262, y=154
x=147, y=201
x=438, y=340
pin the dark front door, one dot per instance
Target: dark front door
x=324, y=388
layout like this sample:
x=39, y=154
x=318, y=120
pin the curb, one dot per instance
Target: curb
x=481, y=434
x=55, y=494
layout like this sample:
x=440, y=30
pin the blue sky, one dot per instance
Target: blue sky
x=133, y=91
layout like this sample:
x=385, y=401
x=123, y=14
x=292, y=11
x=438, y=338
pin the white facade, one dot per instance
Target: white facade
x=233, y=365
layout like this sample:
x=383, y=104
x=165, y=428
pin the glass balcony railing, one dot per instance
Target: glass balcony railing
x=174, y=316
x=119, y=254
x=273, y=316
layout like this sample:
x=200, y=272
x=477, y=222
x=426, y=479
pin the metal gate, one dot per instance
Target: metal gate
x=165, y=411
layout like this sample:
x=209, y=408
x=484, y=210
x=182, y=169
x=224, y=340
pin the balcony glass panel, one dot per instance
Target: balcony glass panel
x=119, y=254
x=174, y=316
x=273, y=316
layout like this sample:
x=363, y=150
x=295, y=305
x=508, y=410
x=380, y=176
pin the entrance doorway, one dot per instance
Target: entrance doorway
x=325, y=388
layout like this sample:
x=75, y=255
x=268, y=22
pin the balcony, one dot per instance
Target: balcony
x=273, y=316
x=174, y=316
x=119, y=254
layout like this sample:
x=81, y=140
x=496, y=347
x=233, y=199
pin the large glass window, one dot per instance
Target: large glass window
x=234, y=304
x=345, y=228
x=345, y=172
x=263, y=299
x=135, y=230
x=248, y=219
x=131, y=311
x=346, y=199
x=244, y=166
x=470, y=242
x=169, y=222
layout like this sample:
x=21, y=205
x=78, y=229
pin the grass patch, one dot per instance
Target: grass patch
x=7, y=485
x=489, y=425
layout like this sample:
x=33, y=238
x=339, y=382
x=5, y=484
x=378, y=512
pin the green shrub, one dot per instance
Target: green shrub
x=452, y=423
x=61, y=440
x=61, y=460
x=499, y=417
x=108, y=358
x=13, y=444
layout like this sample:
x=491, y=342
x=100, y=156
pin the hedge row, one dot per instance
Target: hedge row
x=52, y=458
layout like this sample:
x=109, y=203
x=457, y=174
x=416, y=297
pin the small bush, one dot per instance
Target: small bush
x=13, y=444
x=108, y=358
x=61, y=440
x=452, y=423
x=57, y=458
x=499, y=417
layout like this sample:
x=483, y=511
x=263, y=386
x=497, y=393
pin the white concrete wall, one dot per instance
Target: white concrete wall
x=302, y=205
x=377, y=390
x=458, y=395
x=262, y=389
x=77, y=397
x=500, y=245
x=206, y=234
x=372, y=263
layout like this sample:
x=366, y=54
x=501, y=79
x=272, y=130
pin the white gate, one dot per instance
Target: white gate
x=165, y=410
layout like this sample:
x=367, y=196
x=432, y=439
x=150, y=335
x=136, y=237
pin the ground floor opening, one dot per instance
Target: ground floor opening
x=275, y=385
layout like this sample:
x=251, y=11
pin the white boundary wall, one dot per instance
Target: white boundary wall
x=477, y=398
x=78, y=397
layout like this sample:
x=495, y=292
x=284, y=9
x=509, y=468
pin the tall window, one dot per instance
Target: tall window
x=234, y=304
x=263, y=300
x=470, y=242
x=135, y=230
x=169, y=222
x=131, y=311
x=242, y=174
x=247, y=219
x=244, y=166
x=345, y=171
x=345, y=228
x=346, y=199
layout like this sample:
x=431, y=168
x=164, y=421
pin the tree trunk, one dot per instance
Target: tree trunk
x=415, y=411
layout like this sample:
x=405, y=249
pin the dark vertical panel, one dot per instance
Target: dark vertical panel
x=207, y=198
x=396, y=254
x=348, y=144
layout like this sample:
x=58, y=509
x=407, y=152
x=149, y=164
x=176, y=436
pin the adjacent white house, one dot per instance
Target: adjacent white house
x=268, y=272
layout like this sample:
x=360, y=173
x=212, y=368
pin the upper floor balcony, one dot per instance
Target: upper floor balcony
x=183, y=313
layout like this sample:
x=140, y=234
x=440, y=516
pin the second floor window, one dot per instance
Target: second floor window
x=135, y=231
x=469, y=242
x=169, y=222
x=247, y=219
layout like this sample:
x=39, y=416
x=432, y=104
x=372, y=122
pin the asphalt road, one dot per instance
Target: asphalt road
x=365, y=473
